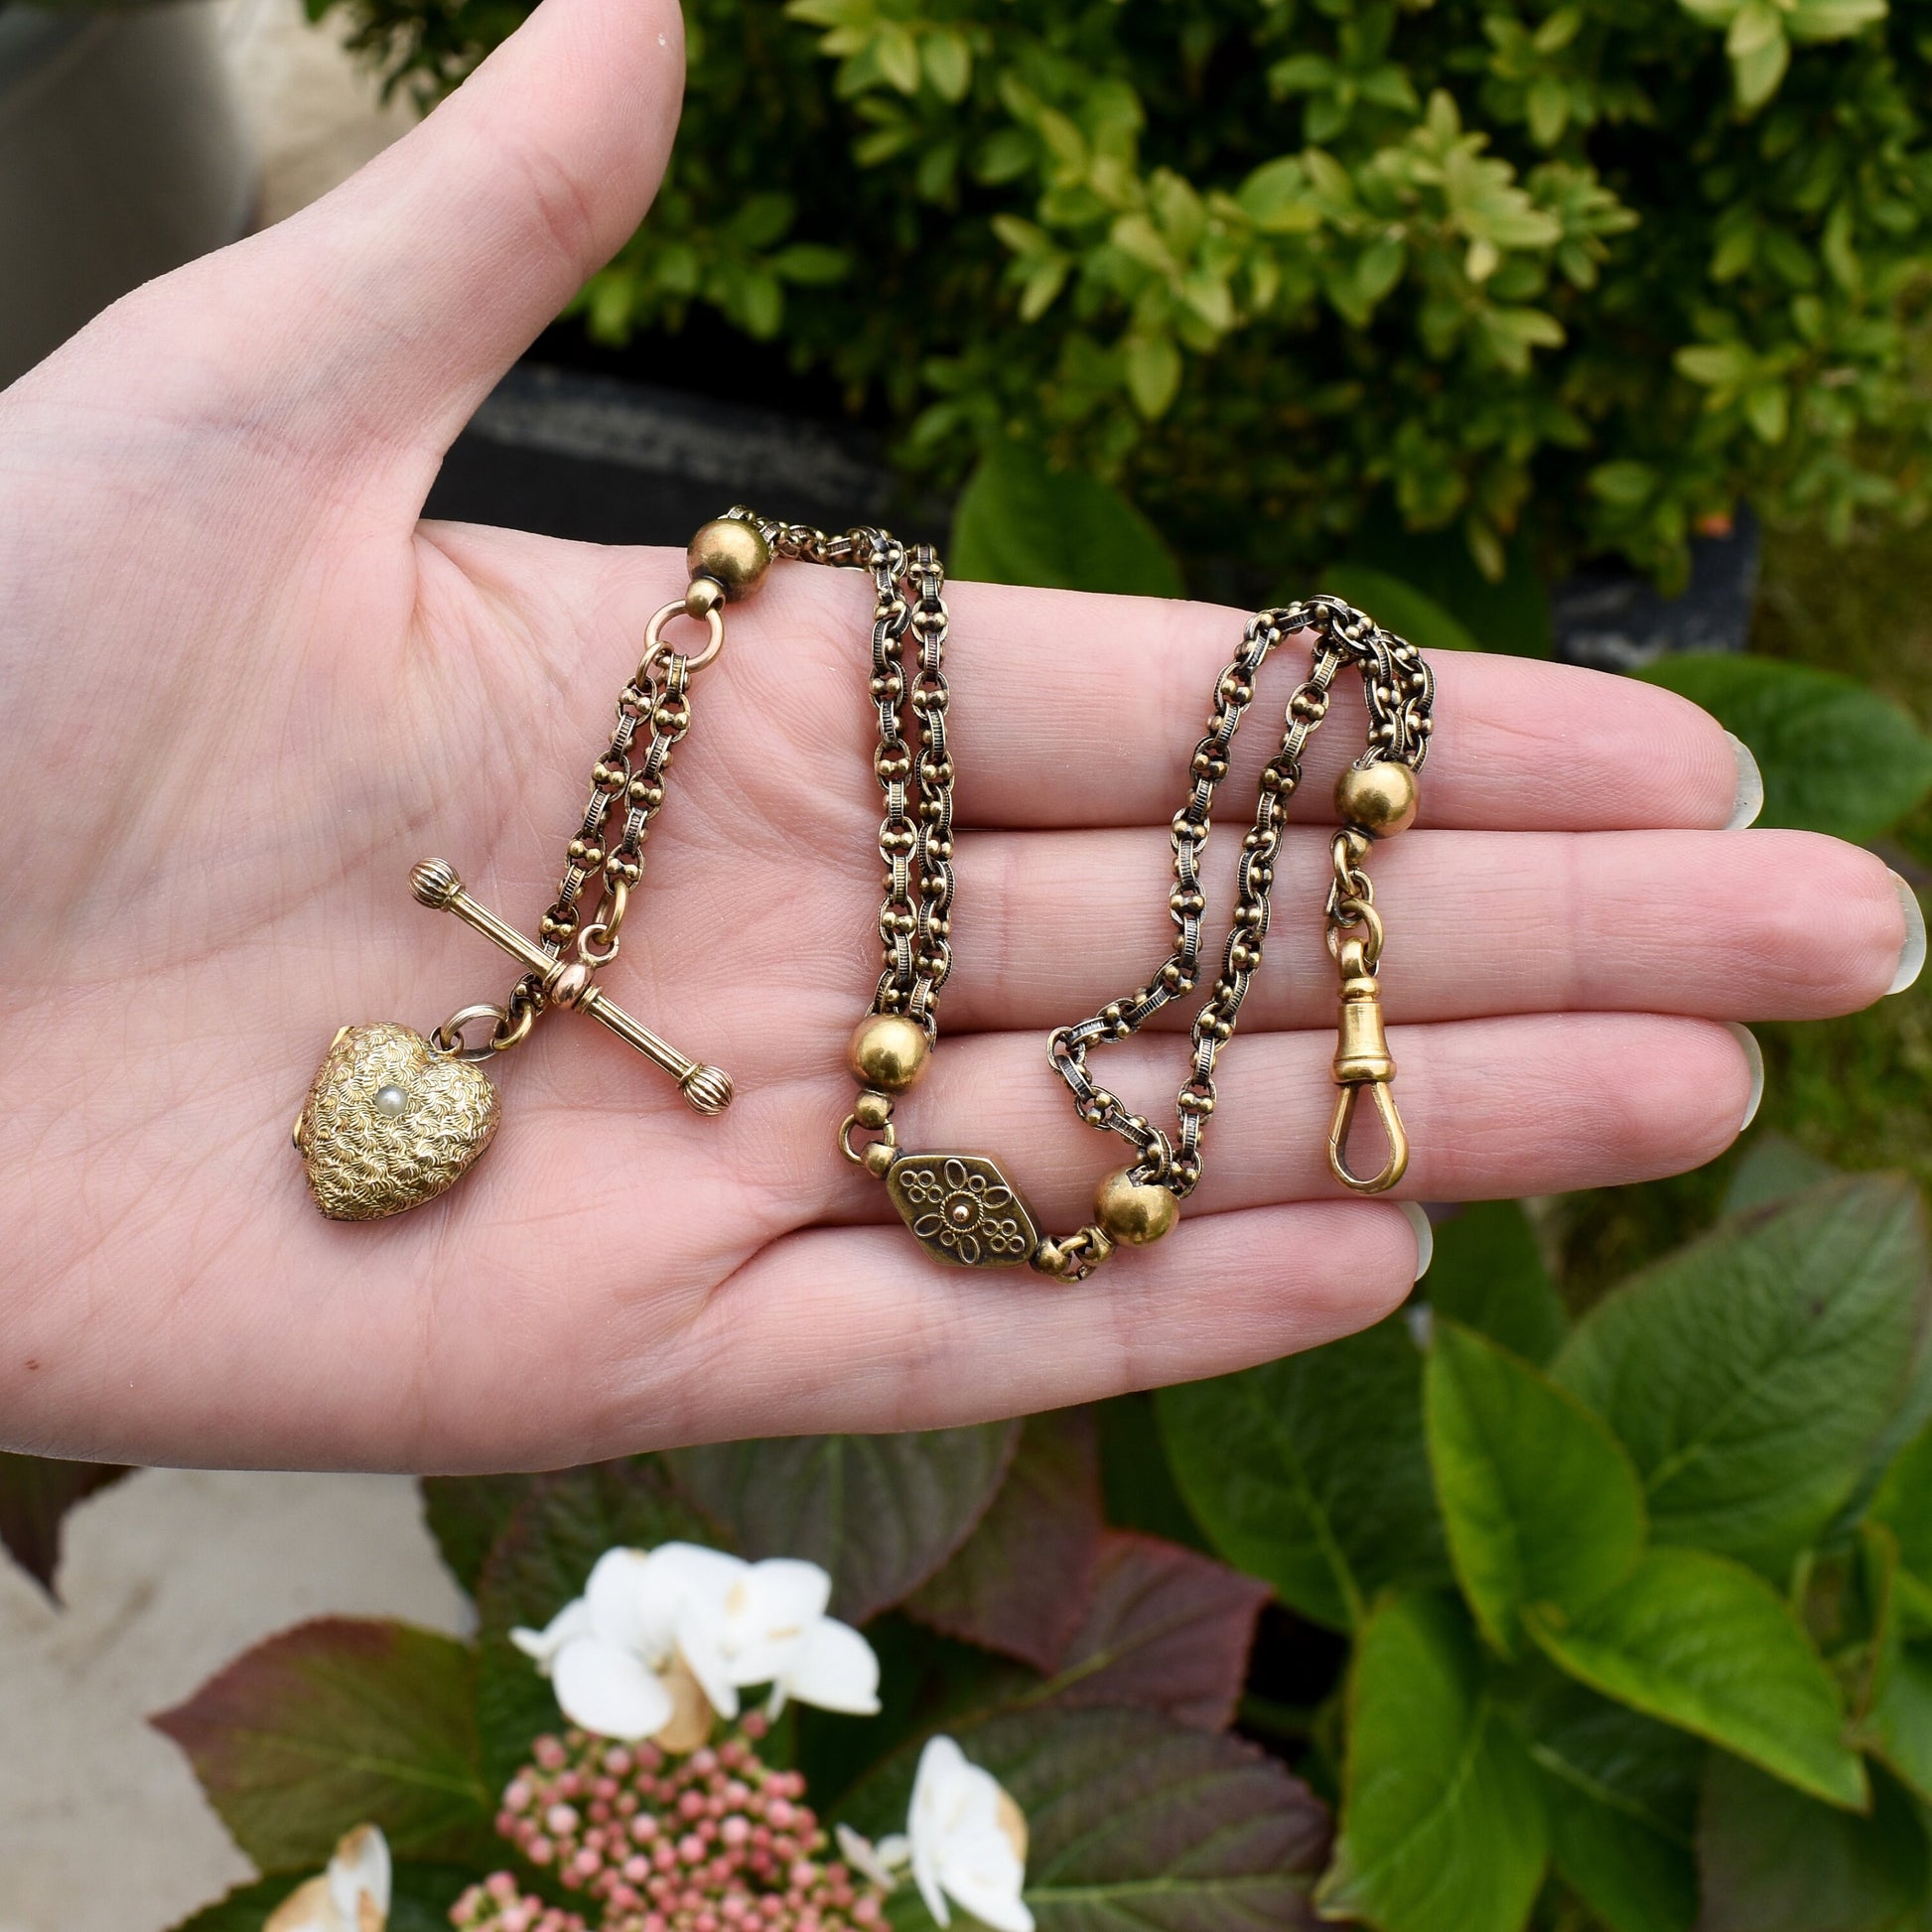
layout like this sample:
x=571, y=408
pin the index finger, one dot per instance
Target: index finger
x=1077, y=710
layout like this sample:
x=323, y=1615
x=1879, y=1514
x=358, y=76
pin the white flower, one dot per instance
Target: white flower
x=965, y=1838
x=655, y=1629
x=969, y=1840
x=353, y=1896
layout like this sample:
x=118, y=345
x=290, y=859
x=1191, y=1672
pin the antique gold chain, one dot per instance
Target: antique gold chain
x=392, y=1118
x=962, y=1206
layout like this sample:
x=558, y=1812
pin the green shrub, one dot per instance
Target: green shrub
x=1595, y=270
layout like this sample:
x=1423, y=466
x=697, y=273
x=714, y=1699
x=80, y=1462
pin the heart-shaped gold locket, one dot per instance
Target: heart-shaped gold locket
x=390, y=1123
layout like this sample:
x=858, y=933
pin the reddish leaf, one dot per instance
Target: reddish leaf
x=882, y=1513
x=34, y=1494
x=1170, y=1630
x=1136, y=1824
x=337, y=1723
x=1022, y=1583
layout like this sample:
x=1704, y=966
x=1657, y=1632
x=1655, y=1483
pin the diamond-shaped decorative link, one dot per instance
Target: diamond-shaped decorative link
x=962, y=1210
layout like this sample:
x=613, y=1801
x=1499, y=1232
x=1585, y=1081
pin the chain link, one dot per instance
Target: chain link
x=915, y=836
x=1400, y=690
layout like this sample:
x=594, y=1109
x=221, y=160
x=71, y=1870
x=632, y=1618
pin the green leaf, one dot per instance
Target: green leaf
x=1152, y=373
x=897, y=54
x=1022, y=1583
x=1019, y=521
x=1168, y=1629
x=811, y=264
x=466, y=1515
x=1310, y=1472
x=335, y=1723
x=1753, y=1373
x=1835, y=757
x=1441, y=1819
x=1511, y=613
x=882, y=1513
x=1775, y=1168
x=1903, y=1503
x=1702, y=1643
x=1621, y=1792
x=1397, y=607
x=1137, y=1822
x=419, y=1901
x=542, y=1560
x=1541, y=1504
x=35, y=1493
x=1893, y=1714
x=1141, y=1492
x=1773, y=1861
x=1488, y=1274
x=1625, y=482
x=948, y=59
x=1757, y=72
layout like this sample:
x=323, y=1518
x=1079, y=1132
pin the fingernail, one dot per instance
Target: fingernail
x=1755, y=1056
x=1425, y=1236
x=1749, y=800
x=1912, y=962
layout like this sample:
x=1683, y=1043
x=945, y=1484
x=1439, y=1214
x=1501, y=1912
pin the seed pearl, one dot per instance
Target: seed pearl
x=390, y=1101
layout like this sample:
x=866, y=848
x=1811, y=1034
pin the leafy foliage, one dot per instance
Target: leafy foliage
x=1593, y=270
x=1311, y=1475
x=1137, y=1821
x=335, y=1723
x=1835, y=757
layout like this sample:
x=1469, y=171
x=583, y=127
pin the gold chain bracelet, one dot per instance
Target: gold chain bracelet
x=392, y=1118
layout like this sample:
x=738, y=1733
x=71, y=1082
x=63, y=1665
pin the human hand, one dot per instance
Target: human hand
x=246, y=689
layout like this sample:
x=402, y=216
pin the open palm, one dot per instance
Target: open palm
x=246, y=690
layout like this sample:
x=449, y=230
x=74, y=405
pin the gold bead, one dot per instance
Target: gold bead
x=873, y=1110
x=879, y=1157
x=887, y=1051
x=731, y=553
x=1381, y=798
x=1134, y=1212
x=703, y=597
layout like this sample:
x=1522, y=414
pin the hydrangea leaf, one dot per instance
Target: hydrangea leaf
x=1755, y=1374
x=1133, y=1822
x=1441, y=1817
x=1021, y=521
x=1022, y=1583
x=1310, y=1472
x=1702, y=1643
x=335, y=1723
x=1835, y=755
x=1488, y=1272
x=882, y=1513
x=1771, y=1860
x=1620, y=1791
x=1541, y=1503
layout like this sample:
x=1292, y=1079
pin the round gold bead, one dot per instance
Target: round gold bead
x=873, y=1110
x=1381, y=798
x=703, y=597
x=879, y=1157
x=731, y=553
x=887, y=1051
x=1134, y=1212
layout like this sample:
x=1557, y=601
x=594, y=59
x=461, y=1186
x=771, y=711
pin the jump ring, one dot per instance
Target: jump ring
x=654, y=636
x=448, y=1039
